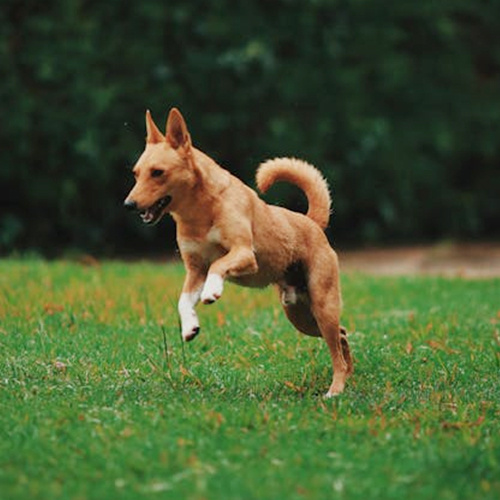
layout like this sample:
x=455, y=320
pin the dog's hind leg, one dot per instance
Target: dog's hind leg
x=294, y=295
x=300, y=315
x=346, y=351
x=324, y=292
x=190, y=296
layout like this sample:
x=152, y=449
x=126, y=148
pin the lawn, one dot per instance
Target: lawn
x=99, y=399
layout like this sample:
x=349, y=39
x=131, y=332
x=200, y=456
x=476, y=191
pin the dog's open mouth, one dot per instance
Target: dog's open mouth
x=154, y=213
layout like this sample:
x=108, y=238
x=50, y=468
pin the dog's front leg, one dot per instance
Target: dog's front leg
x=190, y=296
x=240, y=260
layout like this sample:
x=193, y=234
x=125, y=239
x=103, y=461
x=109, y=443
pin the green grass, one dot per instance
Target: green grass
x=99, y=399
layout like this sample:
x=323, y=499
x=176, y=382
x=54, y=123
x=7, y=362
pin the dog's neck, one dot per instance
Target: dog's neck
x=210, y=180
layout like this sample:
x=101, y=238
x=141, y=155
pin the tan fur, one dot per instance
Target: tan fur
x=226, y=232
x=303, y=175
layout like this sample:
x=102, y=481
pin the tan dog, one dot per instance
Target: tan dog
x=226, y=232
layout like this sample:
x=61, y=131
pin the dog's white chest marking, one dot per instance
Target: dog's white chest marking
x=208, y=248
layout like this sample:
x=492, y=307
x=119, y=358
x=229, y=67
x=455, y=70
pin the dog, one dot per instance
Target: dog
x=226, y=232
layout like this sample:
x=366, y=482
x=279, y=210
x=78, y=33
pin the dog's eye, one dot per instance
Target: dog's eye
x=156, y=172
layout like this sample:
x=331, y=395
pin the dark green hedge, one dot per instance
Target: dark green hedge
x=397, y=102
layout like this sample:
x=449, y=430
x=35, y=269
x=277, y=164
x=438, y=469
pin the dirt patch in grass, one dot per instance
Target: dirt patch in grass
x=468, y=260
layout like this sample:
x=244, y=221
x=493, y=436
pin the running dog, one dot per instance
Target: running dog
x=226, y=232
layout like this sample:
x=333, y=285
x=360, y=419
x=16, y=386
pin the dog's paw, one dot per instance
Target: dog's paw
x=190, y=325
x=331, y=395
x=213, y=289
x=190, y=334
x=336, y=389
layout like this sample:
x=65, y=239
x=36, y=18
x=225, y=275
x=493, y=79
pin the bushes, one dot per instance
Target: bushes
x=396, y=102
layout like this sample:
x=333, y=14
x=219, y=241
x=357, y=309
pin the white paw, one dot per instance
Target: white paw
x=190, y=333
x=190, y=325
x=213, y=288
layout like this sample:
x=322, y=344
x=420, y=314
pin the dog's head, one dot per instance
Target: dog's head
x=164, y=171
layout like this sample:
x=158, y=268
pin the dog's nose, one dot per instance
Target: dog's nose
x=130, y=204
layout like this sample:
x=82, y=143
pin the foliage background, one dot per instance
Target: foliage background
x=397, y=102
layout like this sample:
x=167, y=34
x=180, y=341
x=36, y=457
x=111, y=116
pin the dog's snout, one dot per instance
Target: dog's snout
x=130, y=204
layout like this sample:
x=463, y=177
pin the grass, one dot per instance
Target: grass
x=100, y=399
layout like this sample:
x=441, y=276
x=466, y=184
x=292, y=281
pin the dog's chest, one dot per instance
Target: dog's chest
x=208, y=246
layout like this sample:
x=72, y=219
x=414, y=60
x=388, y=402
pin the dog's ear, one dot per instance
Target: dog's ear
x=177, y=133
x=154, y=135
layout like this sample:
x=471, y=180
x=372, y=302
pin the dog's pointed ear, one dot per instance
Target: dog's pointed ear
x=154, y=135
x=177, y=133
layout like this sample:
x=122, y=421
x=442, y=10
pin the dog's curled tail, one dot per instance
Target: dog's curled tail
x=303, y=175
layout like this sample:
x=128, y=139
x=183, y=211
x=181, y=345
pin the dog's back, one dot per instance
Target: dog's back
x=280, y=237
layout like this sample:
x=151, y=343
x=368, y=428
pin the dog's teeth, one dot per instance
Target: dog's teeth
x=146, y=216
